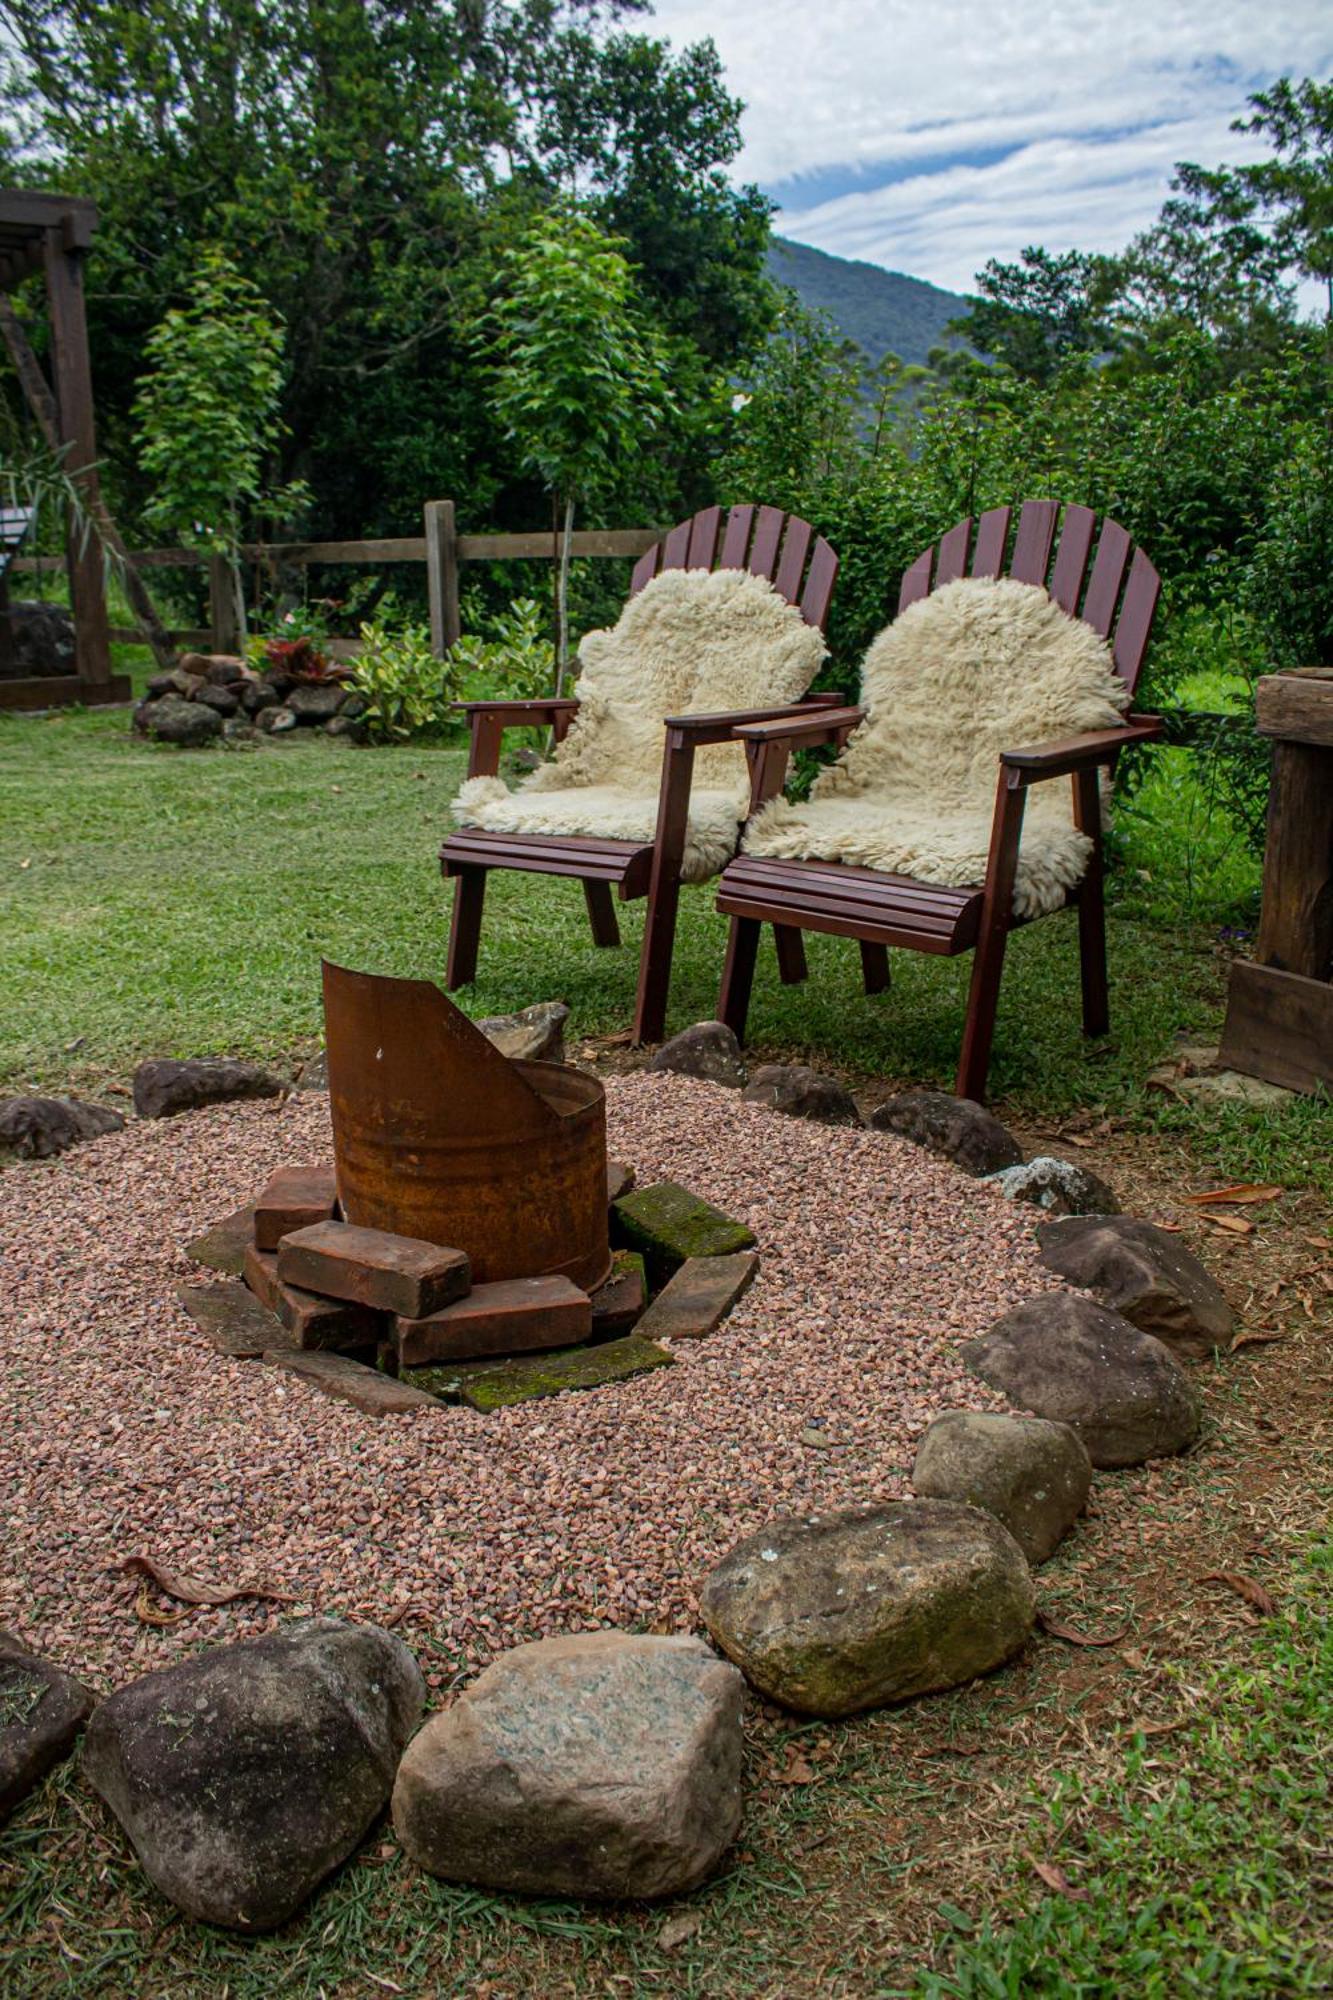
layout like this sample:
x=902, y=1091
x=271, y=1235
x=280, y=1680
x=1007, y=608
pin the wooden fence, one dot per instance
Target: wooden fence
x=439, y=546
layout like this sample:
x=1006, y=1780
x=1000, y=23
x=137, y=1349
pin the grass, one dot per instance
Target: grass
x=153, y=902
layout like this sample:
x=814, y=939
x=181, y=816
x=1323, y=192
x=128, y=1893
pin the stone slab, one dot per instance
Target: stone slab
x=668, y=1224
x=618, y=1305
x=366, y=1389
x=699, y=1297
x=510, y=1316
x=371, y=1267
x=232, y=1319
x=525, y=1380
x=222, y=1247
x=294, y=1198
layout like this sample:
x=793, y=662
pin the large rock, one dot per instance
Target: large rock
x=709, y=1050
x=606, y=1764
x=37, y=1128
x=535, y=1034
x=954, y=1128
x=164, y=1087
x=224, y=700
x=1030, y=1474
x=842, y=1612
x=42, y=1711
x=1065, y=1358
x=245, y=1775
x=186, y=723
x=1058, y=1186
x=1143, y=1274
x=800, y=1092
x=42, y=639
x=316, y=701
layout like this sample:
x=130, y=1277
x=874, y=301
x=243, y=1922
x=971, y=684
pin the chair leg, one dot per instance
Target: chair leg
x=875, y=974
x=1092, y=910
x=733, y=1002
x=996, y=919
x=601, y=913
x=792, y=968
x=465, y=927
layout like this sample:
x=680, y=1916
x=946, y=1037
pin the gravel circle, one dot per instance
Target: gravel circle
x=122, y=1432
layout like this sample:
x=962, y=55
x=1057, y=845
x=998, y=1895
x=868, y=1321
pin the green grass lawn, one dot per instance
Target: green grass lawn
x=155, y=902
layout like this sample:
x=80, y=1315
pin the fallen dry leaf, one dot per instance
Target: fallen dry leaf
x=1255, y=1340
x=1232, y=1225
x=1055, y=1878
x=677, y=1929
x=193, y=1590
x=147, y=1612
x=1242, y=1191
x=1246, y=1587
x=1077, y=1638
x=795, y=1772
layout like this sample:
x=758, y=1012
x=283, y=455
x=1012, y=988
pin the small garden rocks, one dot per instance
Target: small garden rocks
x=1143, y=1274
x=245, y=1775
x=534, y=1034
x=37, y=1128
x=174, y=720
x=953, y=1128
x=1058, y=1186
x=42, y=1711
x=163, y=1087
x=1030, y=1474
x=843, y=1612
x=801, y=1093
x=606, y=1764
x=709, y=1050
x=1065, y=1358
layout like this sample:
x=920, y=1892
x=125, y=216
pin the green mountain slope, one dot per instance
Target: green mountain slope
x=882, y=311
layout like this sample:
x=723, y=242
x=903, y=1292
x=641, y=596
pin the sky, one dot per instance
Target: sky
x=929, y=135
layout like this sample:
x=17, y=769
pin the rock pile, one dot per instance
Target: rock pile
x=212, y=695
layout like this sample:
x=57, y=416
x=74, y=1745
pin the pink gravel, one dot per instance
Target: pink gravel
x=122, y=1432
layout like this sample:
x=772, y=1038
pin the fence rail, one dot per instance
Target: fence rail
x=441, y=548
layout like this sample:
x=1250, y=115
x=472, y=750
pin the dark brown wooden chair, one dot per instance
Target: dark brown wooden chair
x=767, y=542
x=882, y=910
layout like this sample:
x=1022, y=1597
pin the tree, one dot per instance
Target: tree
x=579, y=377
x=1036, y=314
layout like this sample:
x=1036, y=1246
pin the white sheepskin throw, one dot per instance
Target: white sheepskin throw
x=692, y=642
x=976, y=668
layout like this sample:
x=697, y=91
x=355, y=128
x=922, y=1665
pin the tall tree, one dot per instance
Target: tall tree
x=1036, y=314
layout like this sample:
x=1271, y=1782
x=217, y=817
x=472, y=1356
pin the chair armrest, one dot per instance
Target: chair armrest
x=818, y=725
x=513, y=713
x=721, y=728
x=488, y=720
x=1079, y=753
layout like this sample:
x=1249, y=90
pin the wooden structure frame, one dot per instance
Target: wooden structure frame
x=768, y=543
x=882, y=910
x=53, y=233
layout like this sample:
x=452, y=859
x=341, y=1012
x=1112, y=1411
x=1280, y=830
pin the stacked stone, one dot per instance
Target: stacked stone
x=211, y=695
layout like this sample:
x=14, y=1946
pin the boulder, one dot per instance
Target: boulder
x=799, y=1092
x=236, y=729
x=224, y=700
x=536, y=1034
x=43, y=644
x=1058, y=1186
x=1145, y=1275
x=1065, y=1358
x=842, y=1612
x=709, y=1050
x=606, y=1764
x=954, y=1128
x=163, y=1087
x=277, y=721
x=1032, y=1475
x=317, y=701
x=258, y=694
x=246, y=1774
x=37, y=1128
x=185, y=723
x=42, y=1711
x=314, y=1074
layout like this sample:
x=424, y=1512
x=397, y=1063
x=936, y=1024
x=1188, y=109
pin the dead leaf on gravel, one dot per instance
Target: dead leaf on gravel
x=1233, y=1225
x=958, y=1748
x=1240, y=1192
x=1055, y=1878
x=147, y=1612
x=677, y=1929
x=1246, y=1587
x=1074, y=1637
x=193, y=1590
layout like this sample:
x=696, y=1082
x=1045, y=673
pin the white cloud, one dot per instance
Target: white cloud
x=1074, y=113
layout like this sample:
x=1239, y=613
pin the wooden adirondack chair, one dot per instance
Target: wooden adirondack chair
x=882, y=910
x=803, y=568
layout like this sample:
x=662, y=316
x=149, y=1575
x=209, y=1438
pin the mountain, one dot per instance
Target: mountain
x=882, y=311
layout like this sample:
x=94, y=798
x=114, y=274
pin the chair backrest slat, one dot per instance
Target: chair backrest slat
x=767, y=540
x=1108, y=573
x=1032, y=544
x=1071, y=560
x=676, y=546
x=1135, y=620
x=780, y=547
x=953, y=554
x=736, y=541
x=791, y=568
x=992, y=534
x=703, y=538
x=916, y=581
x=819, y=582
x=645, y=569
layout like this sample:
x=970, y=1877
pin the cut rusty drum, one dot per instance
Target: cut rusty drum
x=437, y=1135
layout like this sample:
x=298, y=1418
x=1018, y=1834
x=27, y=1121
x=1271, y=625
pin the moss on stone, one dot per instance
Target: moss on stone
x=525, y=1379
x=669, y=1225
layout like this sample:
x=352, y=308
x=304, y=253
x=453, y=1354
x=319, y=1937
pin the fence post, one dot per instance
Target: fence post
x=442, y=575
x=222, y=606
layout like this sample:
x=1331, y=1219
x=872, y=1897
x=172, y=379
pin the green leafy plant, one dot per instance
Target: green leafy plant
x=509, y=659
x=408, y=689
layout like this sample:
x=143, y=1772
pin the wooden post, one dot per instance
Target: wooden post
x=222, y=609
x=65, y=249
x=442, y=574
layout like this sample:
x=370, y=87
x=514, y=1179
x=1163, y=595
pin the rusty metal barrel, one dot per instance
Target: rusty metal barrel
x=436, y=1134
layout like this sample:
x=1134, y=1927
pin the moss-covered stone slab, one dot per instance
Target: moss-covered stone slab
x=232, y=1319
x=699, y=1297
x=618, y=1305
x=223, y=1247
x=526, y=1379
x=668, y=1225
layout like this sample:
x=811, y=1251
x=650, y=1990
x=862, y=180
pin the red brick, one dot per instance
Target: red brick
x=397, y=1274
x=294, y=1198
x=334, y=1324
x=512, y=1316
x=618, y=1304
x=261, y=1275
x=364, y=1388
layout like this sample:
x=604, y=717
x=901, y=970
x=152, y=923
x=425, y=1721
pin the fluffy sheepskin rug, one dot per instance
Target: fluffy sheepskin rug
x=976, y=668
x=691, y=642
